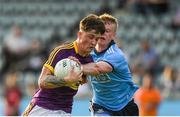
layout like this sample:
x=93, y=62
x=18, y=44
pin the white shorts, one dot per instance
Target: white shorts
x=39, y=111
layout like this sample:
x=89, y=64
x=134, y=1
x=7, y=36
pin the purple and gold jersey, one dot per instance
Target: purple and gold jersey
x=59, y=98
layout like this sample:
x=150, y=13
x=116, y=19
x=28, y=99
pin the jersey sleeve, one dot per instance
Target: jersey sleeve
x=116, y=59
x=54, y=57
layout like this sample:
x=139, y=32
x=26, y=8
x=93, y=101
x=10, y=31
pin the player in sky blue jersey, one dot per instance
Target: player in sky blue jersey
x=110, y=76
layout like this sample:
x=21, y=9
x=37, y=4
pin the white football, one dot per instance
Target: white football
x=63, y=67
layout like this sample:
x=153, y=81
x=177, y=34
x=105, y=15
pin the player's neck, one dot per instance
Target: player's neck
x=80, y=50
x=83, y=54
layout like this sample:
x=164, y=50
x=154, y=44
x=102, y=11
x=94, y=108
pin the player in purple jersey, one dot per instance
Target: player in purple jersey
x=55, y=95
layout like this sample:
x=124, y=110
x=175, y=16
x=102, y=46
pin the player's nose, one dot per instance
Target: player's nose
x=94, y=42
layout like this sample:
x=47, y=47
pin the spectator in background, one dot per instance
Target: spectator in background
x=12, y=95
x=175, y=24
x=147, y=60
x=105, y=8
x=148, y=97
x=36, y=57
x=54, y=40
x=169, y=83
x=15, y=48
x=151, y=6
x=121, y=3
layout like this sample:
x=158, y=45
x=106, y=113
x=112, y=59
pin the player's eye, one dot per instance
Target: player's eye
x=97, y=38
x=108, y=31
x=90, y=36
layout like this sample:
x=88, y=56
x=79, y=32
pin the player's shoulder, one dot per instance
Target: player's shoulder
x=111, y=50
x=63, y=48
x=115, y=53
x=115, y=50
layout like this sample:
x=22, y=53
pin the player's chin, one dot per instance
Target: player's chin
x=90, y=49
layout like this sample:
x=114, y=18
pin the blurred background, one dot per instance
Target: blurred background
x=149, y=34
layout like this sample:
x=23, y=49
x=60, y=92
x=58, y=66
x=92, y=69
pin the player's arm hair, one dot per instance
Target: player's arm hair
x=47, y=80
x=97, y=68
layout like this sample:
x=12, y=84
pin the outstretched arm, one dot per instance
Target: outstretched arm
x=97, y=68
x=94, y=68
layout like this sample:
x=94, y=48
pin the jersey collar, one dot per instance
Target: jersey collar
x=75, y=47
x=111, y=43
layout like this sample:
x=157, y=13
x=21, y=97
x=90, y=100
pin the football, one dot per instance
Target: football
x=63, y=67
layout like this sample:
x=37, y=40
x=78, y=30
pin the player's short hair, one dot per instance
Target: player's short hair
x=92, y=22
x=109, y=18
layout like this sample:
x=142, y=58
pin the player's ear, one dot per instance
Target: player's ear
x=79, y=33
x=114, y=34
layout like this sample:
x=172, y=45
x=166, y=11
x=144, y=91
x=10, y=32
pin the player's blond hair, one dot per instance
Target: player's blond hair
x=109, y=18
x=92, y=22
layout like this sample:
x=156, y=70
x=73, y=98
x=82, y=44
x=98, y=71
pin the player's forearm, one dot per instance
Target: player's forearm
x=91, y=69
x=97, y=68
x=50, y=81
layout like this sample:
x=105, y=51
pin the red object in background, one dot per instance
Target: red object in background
x=12, y=98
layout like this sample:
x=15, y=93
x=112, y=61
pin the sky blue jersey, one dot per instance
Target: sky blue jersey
x=115, y=89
